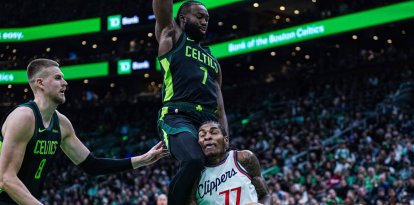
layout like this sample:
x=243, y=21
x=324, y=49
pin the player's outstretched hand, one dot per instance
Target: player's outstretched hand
x=154, y=154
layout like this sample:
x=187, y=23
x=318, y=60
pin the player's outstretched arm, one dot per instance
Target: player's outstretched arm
x=167, y=32
x=163, y=15
x=80, y=154
x=157, y=152
x=250, y=162
x=17, y=132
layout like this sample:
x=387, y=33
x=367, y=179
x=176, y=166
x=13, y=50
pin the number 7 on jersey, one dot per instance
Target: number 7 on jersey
x=205, y=75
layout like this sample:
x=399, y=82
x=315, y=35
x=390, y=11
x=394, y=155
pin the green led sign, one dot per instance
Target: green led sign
x=245, y=121
x=13, y=77
x=114, y=22
x=124, y=67
x=91, y=70
x=85, y=26
x=50, y=30
x=129, y=66
x=210, y=4
x=373, y=17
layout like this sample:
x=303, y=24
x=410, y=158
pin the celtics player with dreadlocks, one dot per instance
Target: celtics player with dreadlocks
x=191, y=91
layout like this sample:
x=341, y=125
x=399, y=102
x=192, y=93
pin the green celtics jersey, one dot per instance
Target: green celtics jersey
x=190, y=74
x=40, y=152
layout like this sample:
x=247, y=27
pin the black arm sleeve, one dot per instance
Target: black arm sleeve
x=100, y=166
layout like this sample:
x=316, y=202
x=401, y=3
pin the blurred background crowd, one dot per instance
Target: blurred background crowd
x=331, y=121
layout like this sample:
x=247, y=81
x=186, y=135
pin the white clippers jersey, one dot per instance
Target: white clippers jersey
x=226, y=183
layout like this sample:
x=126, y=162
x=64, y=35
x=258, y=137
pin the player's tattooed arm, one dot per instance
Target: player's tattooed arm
x=250, y=162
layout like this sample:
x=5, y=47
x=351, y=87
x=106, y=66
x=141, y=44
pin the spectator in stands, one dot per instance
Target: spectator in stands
x=162, y=199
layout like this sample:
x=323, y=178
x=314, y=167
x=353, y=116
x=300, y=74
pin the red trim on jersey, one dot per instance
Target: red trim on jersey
x=218, y=164
x=236, y=162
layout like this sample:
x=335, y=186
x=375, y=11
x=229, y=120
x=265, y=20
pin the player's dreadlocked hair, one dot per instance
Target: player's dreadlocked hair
x=183, y=9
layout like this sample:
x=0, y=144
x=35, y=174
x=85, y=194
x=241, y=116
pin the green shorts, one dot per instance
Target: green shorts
x=177, y=117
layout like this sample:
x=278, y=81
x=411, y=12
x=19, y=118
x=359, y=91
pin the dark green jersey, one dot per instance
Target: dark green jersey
x=190, y=72
x=40, y=152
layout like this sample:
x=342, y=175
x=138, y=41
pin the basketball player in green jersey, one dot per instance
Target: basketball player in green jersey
x=32, y=133
x=191, y=92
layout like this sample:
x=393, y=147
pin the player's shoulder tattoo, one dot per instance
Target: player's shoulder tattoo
x=249, y=161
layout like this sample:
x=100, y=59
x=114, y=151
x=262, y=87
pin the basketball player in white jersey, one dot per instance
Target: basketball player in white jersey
x=230, y=177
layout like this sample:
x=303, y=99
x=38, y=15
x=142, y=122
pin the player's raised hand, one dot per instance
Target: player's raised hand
x=154, y=154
